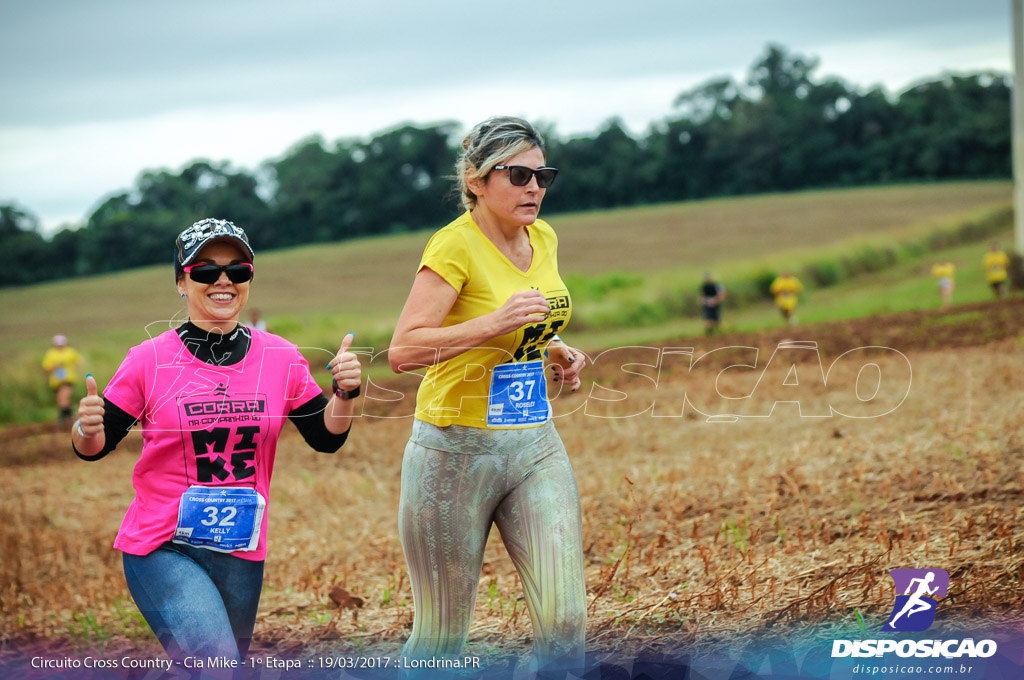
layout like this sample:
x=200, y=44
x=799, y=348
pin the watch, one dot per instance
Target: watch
x=344, y=394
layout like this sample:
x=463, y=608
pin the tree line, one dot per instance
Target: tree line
x=781, y=129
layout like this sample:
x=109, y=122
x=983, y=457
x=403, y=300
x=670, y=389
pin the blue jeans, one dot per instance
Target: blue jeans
x=198, y=602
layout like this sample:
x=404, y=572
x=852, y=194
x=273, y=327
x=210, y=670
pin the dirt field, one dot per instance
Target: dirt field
x=694, y=531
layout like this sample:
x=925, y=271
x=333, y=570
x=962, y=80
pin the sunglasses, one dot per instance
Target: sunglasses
x=206, y=272
x=520, y=175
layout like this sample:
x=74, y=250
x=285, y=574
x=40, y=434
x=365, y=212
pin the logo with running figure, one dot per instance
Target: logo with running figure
x=917, y=594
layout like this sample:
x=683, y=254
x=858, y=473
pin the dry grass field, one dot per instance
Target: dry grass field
x=702, y=232
x=695, y=532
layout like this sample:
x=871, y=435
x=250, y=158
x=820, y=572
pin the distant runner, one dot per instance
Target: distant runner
x=786, y=289
x=256, y=320
x=61, y=362
x=995, y=263
x=944, y=272
x=712, y=294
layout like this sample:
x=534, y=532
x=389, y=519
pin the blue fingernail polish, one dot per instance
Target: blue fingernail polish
x=328, y=367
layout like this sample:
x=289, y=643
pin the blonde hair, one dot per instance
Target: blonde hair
x=491, y=143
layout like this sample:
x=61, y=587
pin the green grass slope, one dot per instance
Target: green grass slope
x=633, y=274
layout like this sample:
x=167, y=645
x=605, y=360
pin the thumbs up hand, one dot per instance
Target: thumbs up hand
x=90, y=409
x=345, y=368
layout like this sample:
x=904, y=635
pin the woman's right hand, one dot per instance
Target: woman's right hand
x=521, y=309
x=90, y=410
x=422, y=339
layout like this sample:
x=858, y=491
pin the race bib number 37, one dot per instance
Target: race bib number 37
x=224, y=518
x=518, y=396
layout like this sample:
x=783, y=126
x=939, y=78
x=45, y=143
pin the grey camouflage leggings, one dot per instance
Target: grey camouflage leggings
x=456, y=481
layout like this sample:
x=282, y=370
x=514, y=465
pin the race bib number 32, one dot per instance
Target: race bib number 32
x=224, y=518
x=518, y=396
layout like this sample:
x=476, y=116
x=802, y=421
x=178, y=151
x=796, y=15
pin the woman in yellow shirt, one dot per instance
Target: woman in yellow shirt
x=786, y=289
x=995, y=263
x=485, y=307
x=60, y=362
x=944, y=273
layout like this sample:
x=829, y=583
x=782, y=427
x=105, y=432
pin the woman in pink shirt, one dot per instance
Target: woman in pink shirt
x=212, y=397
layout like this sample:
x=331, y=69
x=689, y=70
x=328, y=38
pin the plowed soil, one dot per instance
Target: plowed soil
x=771, y=514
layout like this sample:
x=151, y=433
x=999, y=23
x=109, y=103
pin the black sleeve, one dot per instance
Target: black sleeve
x=310, y=421
x=116, y=424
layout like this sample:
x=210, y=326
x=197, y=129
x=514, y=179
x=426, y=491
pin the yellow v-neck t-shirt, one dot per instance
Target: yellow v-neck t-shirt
x=456, y=391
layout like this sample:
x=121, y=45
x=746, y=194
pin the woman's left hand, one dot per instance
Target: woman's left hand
x=345, y=367
x=567, y=363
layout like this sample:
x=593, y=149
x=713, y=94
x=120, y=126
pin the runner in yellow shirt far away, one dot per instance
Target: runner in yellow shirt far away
x=786, y=288
x=60, y=362
x=995, y=263
x=944, y=272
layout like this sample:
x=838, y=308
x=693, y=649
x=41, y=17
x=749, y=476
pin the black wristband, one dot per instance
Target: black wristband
x=344, y=394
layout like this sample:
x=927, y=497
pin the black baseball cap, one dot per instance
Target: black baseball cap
x=191, y=241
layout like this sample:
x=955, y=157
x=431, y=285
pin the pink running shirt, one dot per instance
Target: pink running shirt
x=203, y=424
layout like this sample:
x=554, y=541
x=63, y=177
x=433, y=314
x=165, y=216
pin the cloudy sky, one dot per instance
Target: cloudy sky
x=92, y=93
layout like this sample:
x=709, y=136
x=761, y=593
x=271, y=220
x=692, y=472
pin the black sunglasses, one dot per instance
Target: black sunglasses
x=205, y=272
x=519, y=175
